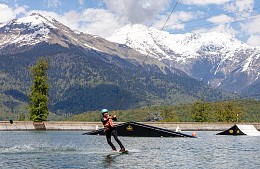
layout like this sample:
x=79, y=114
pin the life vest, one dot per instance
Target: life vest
x=108, y=124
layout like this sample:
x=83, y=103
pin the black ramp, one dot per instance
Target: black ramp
x=241, y=129
x=135, y=129
x=234, y=130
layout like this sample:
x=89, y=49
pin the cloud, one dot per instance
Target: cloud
x=81, y=2
x=6, y=13
x=251, y=28
x=52, y=3
x=20, y=9
x=220, y=19
x=223, y=28
x=241, y=8
x=100, y=22
x=137, y=12
x=94, y=21
x=204, y=2
x=253, y=40
x=70, y=19
x=176, y=20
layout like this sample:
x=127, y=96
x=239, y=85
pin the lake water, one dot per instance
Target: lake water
x=71, y=150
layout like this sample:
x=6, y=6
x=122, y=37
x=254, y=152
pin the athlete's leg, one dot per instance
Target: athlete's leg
x=108, y=136
x=114, y=133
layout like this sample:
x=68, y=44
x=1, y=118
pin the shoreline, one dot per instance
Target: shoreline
x=89, y=126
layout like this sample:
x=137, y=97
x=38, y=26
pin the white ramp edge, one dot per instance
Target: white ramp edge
x=249, y=130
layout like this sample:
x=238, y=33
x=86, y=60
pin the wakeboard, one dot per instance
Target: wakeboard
x=121, y=152
x=124, y=152
x=117, y=153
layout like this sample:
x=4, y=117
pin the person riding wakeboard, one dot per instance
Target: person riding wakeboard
x=108, y=124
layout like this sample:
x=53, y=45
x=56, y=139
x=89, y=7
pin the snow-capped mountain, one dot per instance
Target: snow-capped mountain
x=33, y=29
x=216, y=58
x=85, y=70
x=29, y=30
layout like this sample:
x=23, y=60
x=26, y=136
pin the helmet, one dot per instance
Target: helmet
x=104, y=111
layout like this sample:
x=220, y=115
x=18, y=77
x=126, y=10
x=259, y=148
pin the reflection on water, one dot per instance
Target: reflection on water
x=70, y=149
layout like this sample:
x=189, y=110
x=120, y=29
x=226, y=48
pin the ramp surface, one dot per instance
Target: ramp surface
x=249, y=130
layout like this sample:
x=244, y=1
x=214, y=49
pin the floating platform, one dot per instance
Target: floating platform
x=135, y=129
x=240, y=129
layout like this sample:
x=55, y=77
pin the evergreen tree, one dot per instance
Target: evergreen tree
x=39, y=91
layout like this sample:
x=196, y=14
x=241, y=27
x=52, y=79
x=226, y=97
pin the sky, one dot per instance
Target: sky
x=239, y=18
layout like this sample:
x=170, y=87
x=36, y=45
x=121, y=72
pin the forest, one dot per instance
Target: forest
x=199, y=111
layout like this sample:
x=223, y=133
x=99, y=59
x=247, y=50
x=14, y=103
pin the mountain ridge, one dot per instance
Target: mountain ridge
x=215, y=58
